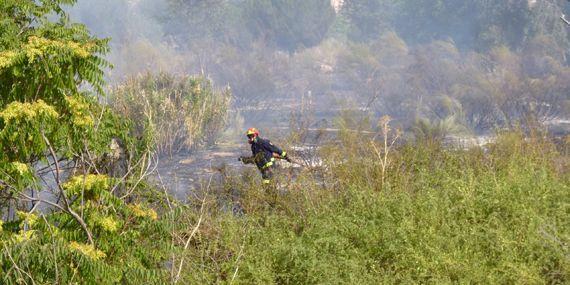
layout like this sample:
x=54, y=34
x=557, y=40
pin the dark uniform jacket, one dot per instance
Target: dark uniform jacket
x=262, y=151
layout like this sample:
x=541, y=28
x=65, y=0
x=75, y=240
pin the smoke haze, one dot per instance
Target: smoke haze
x=473, y=66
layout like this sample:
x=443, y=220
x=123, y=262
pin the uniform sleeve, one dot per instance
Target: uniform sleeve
x=273, y=148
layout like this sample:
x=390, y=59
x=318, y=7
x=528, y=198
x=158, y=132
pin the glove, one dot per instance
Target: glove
x=245, y=159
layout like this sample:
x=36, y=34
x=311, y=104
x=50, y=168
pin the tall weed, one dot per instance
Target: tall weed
x=494, y=215
x=183, y=112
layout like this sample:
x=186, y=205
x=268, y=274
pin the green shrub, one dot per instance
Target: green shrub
x=495, y=215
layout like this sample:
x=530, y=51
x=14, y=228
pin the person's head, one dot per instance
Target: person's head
x=252, y=134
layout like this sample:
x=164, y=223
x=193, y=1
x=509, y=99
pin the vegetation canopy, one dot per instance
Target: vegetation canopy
x=80, y=201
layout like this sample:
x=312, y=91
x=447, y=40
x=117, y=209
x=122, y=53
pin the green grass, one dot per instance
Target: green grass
x=489, y=216
x=444, y=216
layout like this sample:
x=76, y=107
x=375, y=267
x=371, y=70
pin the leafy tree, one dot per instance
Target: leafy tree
x=193, y=21
x=43, y=59
x=481, y=24
x=368, y=19
x=42, y=68
x=289, y=24
x=78, y=228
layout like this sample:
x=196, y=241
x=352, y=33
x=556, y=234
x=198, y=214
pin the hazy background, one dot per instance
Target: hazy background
x=462, y=66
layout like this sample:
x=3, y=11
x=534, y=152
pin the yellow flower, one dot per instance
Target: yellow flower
x=29, y=218
x=137, y=211
x=87, y=250
x=108, y=224
x=39, y=46
x=24, y=235
x=7, y=58
x=88, y=183
x=80, y=109
x=152, y=214
x=140, y=212
x=28, y=111
x=21, y=168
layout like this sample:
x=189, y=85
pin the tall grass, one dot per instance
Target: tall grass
x=493, y=215
x=182, y=112
x=497, y=215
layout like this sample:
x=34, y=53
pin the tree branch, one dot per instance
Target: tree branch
x=67, y=207
x=563, y=17
x=18, y=268
x=187, y=243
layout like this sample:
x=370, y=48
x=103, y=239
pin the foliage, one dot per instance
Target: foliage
x=494, y=215
x=217, y=20
x=130, y=248
x=43, y=65
x=368, y=19
x=79, y=227
x=494, y=61
x=375, y=211
x=43, y=59
x=183, y=112
x=479, y=25
x=438, y=82
x=290, y=24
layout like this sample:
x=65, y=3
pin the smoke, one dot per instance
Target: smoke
x=137, y=41
x=476, y=63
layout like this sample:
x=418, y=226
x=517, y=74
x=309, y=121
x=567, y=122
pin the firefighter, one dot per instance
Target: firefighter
x=264, y=154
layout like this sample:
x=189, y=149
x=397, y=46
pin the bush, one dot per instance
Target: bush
x=183, y=112
x=494, y=215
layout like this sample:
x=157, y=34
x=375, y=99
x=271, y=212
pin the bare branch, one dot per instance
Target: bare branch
x=17, y=267
x=194, y=230
x=563, y=17
x=237, y=263
x=66, y=203
x=144, y=173
x=165, y=191
x=128, y=173
x=382, y=154
x=91, y=161
x=5, y=184
x=28, y=198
